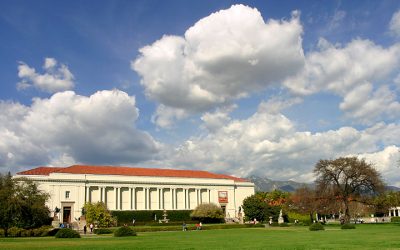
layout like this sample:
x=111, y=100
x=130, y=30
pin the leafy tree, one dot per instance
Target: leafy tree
x=208, y=213
x=256, y=206
x=99, y=214
x=385, y=201
x=22, y=204
x=303, y=201
x=347, y=179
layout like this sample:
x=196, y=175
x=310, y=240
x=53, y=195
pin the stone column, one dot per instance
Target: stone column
x=87, y=194
x=162, y=205
x=134, y=198
x=130, y=198
x=103, y=194
x=185, y=193
x=197, y=196
x=116, y=198
x=100, y=189
x=172, y=199
x=148, y=199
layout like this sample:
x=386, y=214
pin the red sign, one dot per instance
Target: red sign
x=223, y=196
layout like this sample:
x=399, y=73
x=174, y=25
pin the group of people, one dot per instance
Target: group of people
x=199, y=226
x=91, y=226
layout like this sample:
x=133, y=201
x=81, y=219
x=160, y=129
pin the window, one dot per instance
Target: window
x=67, y=194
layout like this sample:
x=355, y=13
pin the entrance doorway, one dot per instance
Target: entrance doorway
x=223, y=207
x=66, y=215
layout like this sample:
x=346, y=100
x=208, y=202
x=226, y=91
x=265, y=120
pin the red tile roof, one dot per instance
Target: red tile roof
x=40, y=171
x=128, y=171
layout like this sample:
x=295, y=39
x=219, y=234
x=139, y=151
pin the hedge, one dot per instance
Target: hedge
x=316, y=227
x=124, y=231
x=103, y=231
x=395, y=219
x=348, y=226
x=21, y=232
x=142, y=217
x=67, y=233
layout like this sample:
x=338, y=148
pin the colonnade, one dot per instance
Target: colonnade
x=394, y=212
x=147, y=198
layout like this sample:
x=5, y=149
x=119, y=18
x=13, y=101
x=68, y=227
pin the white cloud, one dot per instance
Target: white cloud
x=368, y=107
x=355, y=72
x=52, y=80
x=216, y=120
x=394, y=25
x=386, y=161
x=165, y=116
x=269, y=144
x=226, y=55
x=67, y=128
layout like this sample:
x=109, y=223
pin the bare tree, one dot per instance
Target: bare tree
x=347, y=179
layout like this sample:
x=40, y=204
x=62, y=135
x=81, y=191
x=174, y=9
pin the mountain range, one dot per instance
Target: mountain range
x=265, y=184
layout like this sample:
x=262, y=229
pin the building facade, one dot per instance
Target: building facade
x=125, y=188
x=394, y=212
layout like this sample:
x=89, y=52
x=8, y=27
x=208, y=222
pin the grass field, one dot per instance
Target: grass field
x=374, y=236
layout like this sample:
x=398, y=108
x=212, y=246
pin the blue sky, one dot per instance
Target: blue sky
x=237, y=87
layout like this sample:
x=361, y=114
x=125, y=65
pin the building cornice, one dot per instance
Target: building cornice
x=134, y=183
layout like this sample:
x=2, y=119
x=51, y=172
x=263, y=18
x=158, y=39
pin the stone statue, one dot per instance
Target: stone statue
x=280, y=219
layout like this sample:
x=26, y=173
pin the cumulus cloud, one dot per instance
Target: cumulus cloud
x=355, y=72
x=394, y=25
x=269, y=144
x=386, y=161
x=54, y=79
x=213, y=121
x=224, y=56
x=68, y=128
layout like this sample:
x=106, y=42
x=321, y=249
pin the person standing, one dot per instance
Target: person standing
x=91, y=227
x=133, y=221
x=84, y=229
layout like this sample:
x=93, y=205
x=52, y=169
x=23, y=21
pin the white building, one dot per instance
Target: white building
x=125, y=188
x=394, y=212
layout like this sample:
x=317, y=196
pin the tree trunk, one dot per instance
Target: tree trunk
x=346, y=212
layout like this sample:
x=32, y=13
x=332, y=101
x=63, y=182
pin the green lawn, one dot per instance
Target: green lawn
x=379, y=236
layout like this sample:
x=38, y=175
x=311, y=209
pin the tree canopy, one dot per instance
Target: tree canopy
x=258, y=206
x=347, y=179
x=22, y=204
x=208, y=213
x=99, y=214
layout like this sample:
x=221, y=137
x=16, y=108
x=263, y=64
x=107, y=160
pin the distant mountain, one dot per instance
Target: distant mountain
x=265, y=184
x=392, y=188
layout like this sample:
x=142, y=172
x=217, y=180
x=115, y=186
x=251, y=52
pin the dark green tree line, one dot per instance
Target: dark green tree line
x=22, y=204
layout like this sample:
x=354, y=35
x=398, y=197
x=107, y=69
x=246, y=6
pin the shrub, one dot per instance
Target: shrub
x=98, y=212
x=103, y=231
x=67, y=233
x=208, y=213
x=145, y=216
x=297, y=216
x=316, y=227
x=395, y=219
x=1, y=232
x=53, y=232
x=348, y=226
x=124, y=231
x=15, y=232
